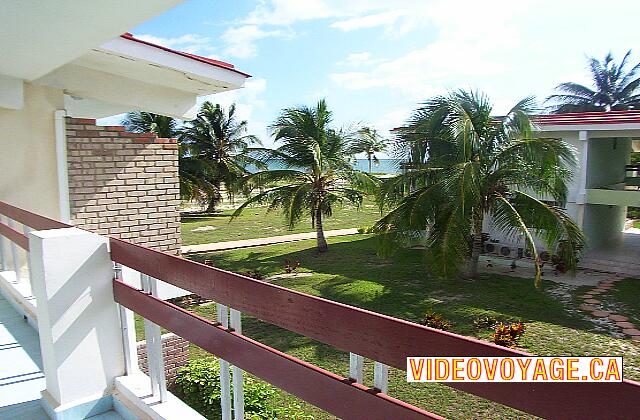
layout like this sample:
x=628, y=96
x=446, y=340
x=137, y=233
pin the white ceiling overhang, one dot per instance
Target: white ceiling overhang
x=37, y=37
x=123, y=75
x=106, y=76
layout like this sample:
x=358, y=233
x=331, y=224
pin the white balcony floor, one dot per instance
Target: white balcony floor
x=21, y=377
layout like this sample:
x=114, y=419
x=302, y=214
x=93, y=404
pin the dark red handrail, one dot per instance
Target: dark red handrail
x=14, y=236
x=376, y=336
x=34, y=221
x=331, y=392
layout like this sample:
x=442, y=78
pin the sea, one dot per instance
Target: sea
x=384, y=166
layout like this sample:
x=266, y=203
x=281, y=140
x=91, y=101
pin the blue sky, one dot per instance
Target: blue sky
x=374, y=61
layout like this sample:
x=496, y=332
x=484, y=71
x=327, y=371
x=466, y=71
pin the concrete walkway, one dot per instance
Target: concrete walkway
x=246, y=243
x=21, y=377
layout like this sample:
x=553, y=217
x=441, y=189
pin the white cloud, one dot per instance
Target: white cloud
x=359, y=59
x=240, y=41
x=386, y=19
x=287, y=12
x=459, y=51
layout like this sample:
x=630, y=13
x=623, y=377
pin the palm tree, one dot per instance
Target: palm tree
x=192, y=171
x=474, y=166
x=614, y=89
x=370, y=143
x=219, y=150
x=146, y=122
x=317, y=172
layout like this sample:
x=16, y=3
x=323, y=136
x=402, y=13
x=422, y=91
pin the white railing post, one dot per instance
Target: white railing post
x=235, y=321
x=3, y=260
x=26, y=229
x=381, y=377
x=153, y=338
x=14, y=254
x=356, y=367
x=79, y=329
x=128, y=325
x=225, y=379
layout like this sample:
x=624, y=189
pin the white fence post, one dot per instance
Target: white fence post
x=225, y=379
x=235, y=322
x=153, y=337
x=79, y=329
x=381, y=377
x=356, y=367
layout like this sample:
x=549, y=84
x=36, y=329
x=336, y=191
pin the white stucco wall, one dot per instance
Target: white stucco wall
x=28, y=176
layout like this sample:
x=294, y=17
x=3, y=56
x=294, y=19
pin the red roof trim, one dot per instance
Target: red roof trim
x=195, y=57
x=586, y=118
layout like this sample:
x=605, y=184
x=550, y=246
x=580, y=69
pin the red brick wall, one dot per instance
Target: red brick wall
x=175, y=351
x=124, y=184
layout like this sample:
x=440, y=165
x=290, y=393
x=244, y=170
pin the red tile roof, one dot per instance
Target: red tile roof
x=587, y=118
x=199, y=58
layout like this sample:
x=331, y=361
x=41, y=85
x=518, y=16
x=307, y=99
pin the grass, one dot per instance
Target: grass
x=257, y=222
x=399, y=286
x=636, y=224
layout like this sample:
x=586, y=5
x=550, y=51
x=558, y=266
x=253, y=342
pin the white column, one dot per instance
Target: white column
x=80, y=336
x=581, y=197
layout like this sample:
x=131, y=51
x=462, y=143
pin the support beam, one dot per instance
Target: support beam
x=82, y=82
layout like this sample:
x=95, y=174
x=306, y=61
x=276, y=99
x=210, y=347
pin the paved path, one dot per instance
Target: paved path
x=593, y=305
x=246, y=243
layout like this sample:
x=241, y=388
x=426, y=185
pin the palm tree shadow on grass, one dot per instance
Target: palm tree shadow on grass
x=351, y=273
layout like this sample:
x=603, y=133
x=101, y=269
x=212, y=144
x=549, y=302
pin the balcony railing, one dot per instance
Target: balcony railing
x=387, y=341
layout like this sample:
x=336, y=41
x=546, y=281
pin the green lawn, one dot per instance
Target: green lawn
x=257, y=223
x=636, y=224
x=399, y=286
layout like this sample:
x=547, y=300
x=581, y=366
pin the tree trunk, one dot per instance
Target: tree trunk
x=211, y=206
x=476, y=248
x=213, y=199
x=369, y=158
x=321, y=241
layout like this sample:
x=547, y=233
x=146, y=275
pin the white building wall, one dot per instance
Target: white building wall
x=28, y=176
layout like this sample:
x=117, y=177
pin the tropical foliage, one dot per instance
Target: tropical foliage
x=614, y=88
x=215, y=151
x=467, y=166
x=146, y=122
x=370, y=142
x=317, y=169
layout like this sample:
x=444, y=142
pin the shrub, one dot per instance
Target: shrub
x=198, y=385
x=485, y=322
x=434, y=320
x=365, y=229
x=255, y=274
x=290, y=267
x=507, y=335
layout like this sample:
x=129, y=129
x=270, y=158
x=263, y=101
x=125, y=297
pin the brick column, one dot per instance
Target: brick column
x=124, y=184
x=175, y=351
